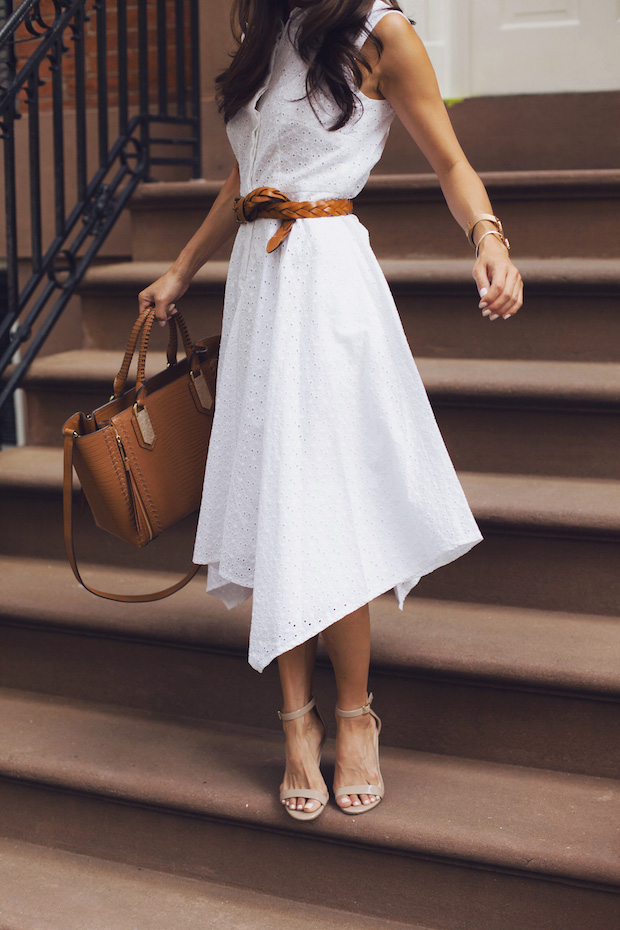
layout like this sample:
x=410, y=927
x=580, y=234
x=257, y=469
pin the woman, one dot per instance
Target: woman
x=327, y=482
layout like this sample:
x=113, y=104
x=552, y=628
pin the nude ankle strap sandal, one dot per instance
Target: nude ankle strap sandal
x=309, y=793
x=377, y=790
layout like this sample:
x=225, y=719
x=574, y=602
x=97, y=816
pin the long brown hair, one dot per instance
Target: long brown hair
x=325, y=42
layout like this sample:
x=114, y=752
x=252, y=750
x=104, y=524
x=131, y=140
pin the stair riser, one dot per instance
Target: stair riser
x=505, y=439
x=558, y=443
x=538, y=729
x=169, y=552
x=440, y=323
x=560, y=327
x=544, y=573
x=540, y=227
x=410, y=225
x=107, y=318
x=427, y=891
x=511, y=567
x=548, y=133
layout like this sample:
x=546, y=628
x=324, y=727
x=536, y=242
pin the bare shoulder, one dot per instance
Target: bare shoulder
x=403, y=49
x=393, y=27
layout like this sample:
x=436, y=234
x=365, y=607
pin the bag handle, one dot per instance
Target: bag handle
x=144, y=320
x=180, y=327
x=191, y=351
x=121, y=378
x=70, y=437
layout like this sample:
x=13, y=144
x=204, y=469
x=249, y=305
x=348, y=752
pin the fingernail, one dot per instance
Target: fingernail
x=482, y=305
x=486, y=313
x=507, y=316
x=483, y=292
x=494, y=316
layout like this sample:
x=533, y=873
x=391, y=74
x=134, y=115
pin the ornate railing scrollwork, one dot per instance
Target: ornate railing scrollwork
x=95, y=130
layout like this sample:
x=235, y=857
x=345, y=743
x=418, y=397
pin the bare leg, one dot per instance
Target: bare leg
x=348, y=644
x=303, y=735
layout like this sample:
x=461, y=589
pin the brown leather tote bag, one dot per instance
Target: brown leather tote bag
x=141, y=457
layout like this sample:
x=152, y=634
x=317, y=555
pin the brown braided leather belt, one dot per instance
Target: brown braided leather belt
x=269, y=203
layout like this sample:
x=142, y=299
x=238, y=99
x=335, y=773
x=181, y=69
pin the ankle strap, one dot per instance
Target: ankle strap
x=359, y=711
x=297, y=713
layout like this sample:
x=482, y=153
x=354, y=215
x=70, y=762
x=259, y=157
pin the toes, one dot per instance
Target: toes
x=355, y=800
x=302, y=804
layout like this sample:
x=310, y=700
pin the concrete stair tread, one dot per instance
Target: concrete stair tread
x=562, y=182
x=602, y=181
x=77, y=892
x=93, y=368
x=497, y=381
x=35, y=467
x=486, y=814
x=528, y=503
x=515, y=647
x=590, y=275
x=494, y=381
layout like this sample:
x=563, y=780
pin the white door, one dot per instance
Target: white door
x=444, y=27
x=489, y=47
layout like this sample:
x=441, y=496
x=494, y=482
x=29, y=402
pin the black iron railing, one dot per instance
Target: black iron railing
x=106, y=87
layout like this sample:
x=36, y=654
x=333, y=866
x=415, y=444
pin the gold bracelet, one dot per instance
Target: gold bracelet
x=492, y=232
x=479, y=219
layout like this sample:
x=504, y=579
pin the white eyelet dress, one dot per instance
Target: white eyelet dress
x=327, y=480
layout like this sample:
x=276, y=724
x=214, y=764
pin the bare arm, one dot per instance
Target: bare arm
x=405, y=77
x=218, y=226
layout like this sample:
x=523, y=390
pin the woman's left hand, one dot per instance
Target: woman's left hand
x=499, y=283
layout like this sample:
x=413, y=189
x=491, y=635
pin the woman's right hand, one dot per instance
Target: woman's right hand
x=162, y=294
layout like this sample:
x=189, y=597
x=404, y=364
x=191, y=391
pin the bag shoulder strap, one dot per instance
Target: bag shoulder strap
x=68, y=532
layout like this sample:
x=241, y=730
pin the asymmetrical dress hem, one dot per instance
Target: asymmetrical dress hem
x=231, y=592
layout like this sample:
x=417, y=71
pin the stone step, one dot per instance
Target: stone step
x=453, y=837
x=76, y=892
x=545, y=213
x=551, y=543
x=534, y=417
x=531, y=417
x=571, y=311
x=523, y=131
x=472, y=674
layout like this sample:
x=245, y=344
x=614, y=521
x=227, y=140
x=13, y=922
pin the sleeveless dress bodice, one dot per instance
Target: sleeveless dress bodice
x=280, y=141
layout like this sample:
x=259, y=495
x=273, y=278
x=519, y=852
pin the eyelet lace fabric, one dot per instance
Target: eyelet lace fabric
x=327, y=481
